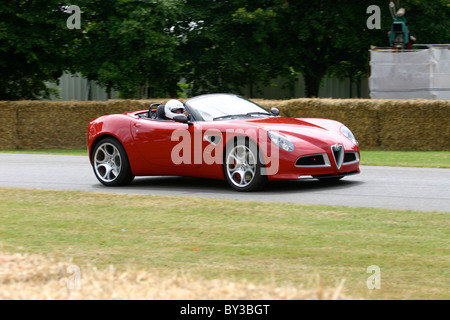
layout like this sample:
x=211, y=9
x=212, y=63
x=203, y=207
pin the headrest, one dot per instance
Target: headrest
x=160, y=112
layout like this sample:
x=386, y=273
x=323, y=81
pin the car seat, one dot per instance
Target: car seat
x=161, y=113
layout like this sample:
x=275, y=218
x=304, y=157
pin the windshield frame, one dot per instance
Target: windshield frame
x=222, y=100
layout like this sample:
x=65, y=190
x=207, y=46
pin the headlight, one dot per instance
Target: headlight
x=346, y=132
x=281, y=141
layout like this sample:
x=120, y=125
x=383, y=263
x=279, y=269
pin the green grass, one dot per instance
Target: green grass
x=430, y=159
x=277, y=243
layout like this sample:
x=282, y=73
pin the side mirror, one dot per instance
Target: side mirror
x=275, y=112
x=181, y=118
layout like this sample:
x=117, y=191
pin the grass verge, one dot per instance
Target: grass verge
x=430, y=159
x=264, y=243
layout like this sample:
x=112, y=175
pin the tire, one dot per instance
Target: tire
x=242, y=165
x=110, y=163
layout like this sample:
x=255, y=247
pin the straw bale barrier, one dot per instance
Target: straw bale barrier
x=378, y=124
x=55, y=124
x=415, y=124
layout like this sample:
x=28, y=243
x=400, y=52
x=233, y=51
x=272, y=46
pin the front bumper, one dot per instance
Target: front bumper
x=317, y=165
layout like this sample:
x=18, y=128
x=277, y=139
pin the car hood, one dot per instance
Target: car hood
x=319, y=132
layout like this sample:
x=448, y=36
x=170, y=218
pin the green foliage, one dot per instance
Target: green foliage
x=34, y=47
x=130, y=44
x=429, y=21
x=323, y=34
x=242, y=42
x=142, y=48
x=227, y=45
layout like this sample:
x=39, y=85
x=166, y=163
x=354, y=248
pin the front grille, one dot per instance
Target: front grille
x=322, y=160
x=316, y=160
x=338, y=153
x=350, y=157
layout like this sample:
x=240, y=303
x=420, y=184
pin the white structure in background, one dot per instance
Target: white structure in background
x=75, y=87
x=417, y=73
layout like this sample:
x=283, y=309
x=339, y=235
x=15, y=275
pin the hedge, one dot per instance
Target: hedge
x=378, y=124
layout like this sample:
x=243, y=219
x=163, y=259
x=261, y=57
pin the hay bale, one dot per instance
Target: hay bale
x=377, y=124
x=62, y=124
x=415, y=125
x=8, y=126
x=357, y=114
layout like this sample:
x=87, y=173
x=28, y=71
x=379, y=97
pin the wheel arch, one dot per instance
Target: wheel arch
x=98, y=139
x=246, y=138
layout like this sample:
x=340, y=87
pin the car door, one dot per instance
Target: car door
x=166, y=143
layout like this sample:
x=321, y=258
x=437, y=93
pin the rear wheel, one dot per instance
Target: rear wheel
x=243, y=164
x=110, y=162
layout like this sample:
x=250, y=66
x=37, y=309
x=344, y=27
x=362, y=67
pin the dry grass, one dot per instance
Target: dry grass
x=35, y=277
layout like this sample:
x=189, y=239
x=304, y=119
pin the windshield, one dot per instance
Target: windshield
x=225, y=106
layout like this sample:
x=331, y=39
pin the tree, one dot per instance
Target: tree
x=146, y=46
x=226, y=46
x=353, y=40
x=130, y=45
x=35, y=46
x=242, y=42
x=429, y=21
x=322, y=34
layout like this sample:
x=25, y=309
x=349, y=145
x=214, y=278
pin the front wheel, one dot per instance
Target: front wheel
x=242, y=166
x=110, y=162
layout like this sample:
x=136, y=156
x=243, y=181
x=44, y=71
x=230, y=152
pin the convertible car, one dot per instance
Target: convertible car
x=219, y=136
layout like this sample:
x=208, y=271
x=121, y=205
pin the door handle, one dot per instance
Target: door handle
x=137, y=125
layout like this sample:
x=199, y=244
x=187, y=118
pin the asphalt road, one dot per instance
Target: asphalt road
x=422, y=189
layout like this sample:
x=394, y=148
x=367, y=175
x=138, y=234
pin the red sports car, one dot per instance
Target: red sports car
x=219, y=136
